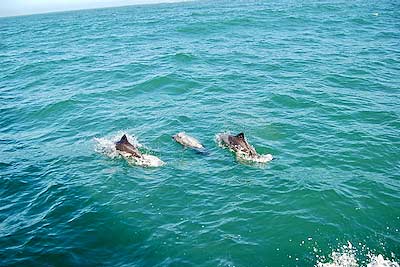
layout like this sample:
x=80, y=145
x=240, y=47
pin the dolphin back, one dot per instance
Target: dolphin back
x=123, y=145
x=187, y=140
x=238, y=143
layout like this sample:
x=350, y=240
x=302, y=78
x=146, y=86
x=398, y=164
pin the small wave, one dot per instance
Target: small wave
x=346, y=256
x=243, y=157
x=106, y=146
x=183, y=57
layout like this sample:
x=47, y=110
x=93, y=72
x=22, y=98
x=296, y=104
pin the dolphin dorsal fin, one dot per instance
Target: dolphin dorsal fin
x=124, y=139
x=241, y=135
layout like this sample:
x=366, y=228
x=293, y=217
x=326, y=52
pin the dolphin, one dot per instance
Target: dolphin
x=188, y=141
x=123, y=145
x=239, y=144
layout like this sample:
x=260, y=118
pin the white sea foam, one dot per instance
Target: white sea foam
x=259, y=158
x=145, y=161
x=380, y=261
x=346, y=256
x=106, y=146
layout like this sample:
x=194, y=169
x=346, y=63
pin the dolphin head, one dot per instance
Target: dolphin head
x=178, y=136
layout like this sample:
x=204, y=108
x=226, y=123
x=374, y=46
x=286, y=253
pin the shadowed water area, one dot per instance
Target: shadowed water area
x=314, y=84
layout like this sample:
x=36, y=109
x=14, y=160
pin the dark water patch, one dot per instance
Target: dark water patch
x=25, y=71
x=55, y=109
x=361, y=21
x=214, y=26
x=5, y=165
x=193, y=28
x=344, y=81
x=291, y=101
x=239, y=21
x=170, y=84
x=377, y=117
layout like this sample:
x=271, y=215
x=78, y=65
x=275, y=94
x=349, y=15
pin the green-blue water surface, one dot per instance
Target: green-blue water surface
x=315, y=84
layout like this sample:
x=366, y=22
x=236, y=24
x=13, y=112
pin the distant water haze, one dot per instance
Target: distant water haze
x=10, y=8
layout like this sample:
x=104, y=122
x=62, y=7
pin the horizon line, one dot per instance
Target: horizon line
x=94, y=8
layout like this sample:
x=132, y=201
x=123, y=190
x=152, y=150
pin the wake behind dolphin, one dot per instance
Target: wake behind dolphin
x=242, y=148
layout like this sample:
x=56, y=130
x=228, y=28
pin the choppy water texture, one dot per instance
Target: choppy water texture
x=314, y=84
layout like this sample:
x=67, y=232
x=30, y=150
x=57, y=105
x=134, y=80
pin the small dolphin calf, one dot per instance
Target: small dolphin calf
x=187, y=141
x=123, y=145
x=241, y=147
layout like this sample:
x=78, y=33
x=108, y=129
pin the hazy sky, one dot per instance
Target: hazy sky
x=24, y=7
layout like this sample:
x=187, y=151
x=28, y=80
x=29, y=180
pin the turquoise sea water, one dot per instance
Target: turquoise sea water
x=315, y=84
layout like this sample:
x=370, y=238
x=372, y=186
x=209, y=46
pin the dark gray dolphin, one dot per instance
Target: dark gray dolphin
x=123, y=145
x=238, y=143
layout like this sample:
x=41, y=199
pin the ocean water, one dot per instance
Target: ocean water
x=315, y=84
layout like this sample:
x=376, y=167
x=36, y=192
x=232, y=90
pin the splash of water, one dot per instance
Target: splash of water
x=380, y=261
x=241, y=156
x=106, y=146
x=346, y=257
